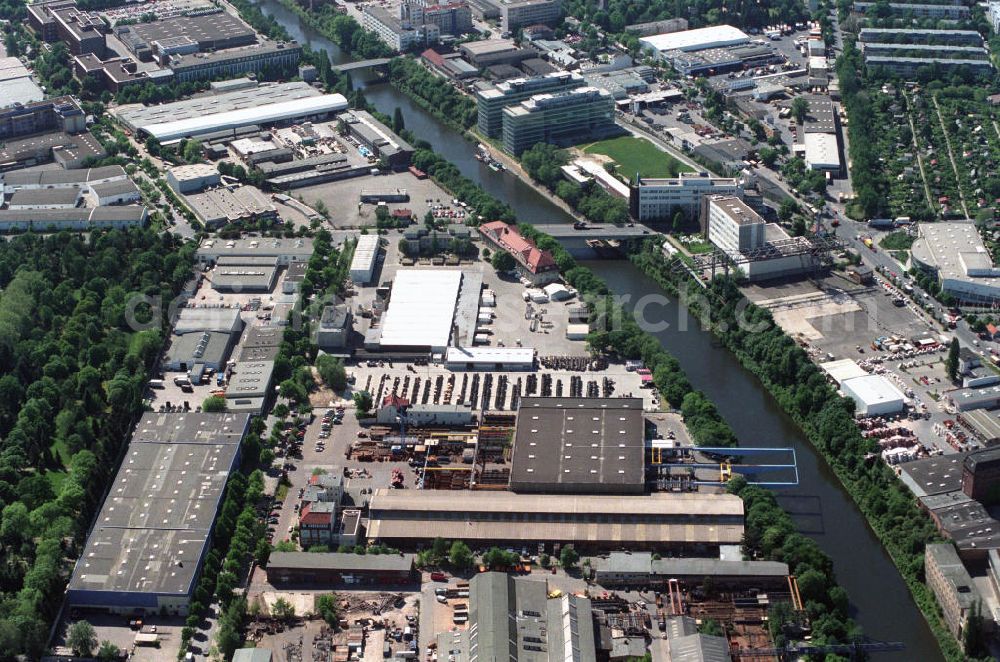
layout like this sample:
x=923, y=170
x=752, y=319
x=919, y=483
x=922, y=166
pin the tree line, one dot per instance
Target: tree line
x=614, y=15
x=432, y=93
x=450, y=178
x=342, y=30
x=72, y=374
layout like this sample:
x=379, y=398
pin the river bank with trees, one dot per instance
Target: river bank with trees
x=826, y=418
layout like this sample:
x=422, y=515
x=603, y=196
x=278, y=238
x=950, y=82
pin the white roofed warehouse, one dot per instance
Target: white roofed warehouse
x=875, y=395
x=365, y=259
x=268, y=104
x=716, y=36
x=490, y=358
x=414, y=319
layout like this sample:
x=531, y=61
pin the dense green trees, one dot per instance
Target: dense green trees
x=80, y=327
x=81, y=638
x=543, y=162
x=568, y=557
x=363, y=403
x=339, y=28
x=214, y=403
x=770, y=534
x=614, y=15
x=331, y=370
x=951, y=363
x=867, y=172
x=326, y=607
x=502, y=261
x=434, y=94
x=460, y=556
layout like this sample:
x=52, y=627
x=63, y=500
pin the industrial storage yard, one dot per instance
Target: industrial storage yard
x=383, y=426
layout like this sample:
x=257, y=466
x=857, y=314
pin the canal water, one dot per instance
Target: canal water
x=822, y=510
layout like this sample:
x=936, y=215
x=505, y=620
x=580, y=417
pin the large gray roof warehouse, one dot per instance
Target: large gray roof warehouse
x=210, y=31
x=579, y=446
x=148, y=542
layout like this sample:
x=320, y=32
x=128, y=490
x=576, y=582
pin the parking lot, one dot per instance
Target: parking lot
x=342, y=198
x=117, y=630
x=835, y=318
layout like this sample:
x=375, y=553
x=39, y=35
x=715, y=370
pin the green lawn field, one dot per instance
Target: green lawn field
x=636, y=154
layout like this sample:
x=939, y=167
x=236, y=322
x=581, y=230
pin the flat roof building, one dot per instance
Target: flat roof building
x=579, y=446
x=285, y=250
x=762, y=250
x=365, y=259
x=56, y=114
x=660, y=521
x=842, y=369
x=334, y=328
x=904, y=65
x=874, y=395
x=658, y=27
x=55, y=198
x=311, y=568
x=491, y=101
x=249, y=386
x=952, y=12
x=207, y=348
x=624, y=570
x=415, y=320
x=918, y=36
x=145, y=551
x=223, y=206
x=487, y=52
x=822, y=152
x=206, y=32
x=395, y=32
x=67, y=150
x=192, y=178
x=279, y=56
x=16, y=85
x=260, y=343
x=716, y=36
x=245, y=274
x=489, y=358
x=954, y=252
x=118, y=192
x=658, y=199
x=567, y=117
x=196, y=320
x=952, y=586
x=273, y=103
x=379, y=138
x=55, y=220
x=21, y=180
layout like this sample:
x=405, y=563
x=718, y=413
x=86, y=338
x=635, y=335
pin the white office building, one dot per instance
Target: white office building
x=399, y=34
x=762, y=250
x=658, y=199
